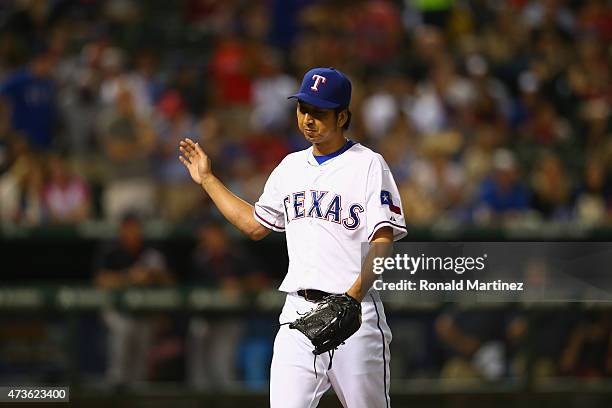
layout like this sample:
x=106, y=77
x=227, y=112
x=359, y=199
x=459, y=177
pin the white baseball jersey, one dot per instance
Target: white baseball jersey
x=327, y=211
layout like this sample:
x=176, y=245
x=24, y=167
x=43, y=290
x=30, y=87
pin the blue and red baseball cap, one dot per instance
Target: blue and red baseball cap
x=325, y=88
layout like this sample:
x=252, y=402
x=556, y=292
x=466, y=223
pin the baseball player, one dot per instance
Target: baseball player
x=328, y=200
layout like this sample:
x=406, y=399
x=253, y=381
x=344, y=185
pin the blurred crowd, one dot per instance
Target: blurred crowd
x=488, y=112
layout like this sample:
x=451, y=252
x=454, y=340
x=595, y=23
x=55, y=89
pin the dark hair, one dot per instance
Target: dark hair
x=348, y=119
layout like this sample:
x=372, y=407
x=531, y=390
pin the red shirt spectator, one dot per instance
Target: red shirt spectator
x=229, y=67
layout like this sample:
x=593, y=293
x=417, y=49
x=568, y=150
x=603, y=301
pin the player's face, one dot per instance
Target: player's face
x=317, y=124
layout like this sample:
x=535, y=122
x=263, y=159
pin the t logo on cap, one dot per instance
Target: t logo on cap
x=318, y=79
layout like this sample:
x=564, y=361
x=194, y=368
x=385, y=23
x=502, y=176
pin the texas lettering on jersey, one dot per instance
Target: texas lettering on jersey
x=322, y=205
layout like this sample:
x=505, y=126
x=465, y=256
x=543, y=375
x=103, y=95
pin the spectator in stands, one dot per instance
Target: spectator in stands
x=142, y=81
x=231, y=66
x=381, y=108
x=595, y=16
x=129, y=263
x=593, y=198
x=478, y=156
x=399, y=147
x=66, y=196
x=551, y=189
x=78, y=77
x=177, y=195
x=375, y=30
x=431, y=111
x=30, y=93
x=127, y=141
x=440, y=179
x=502, y=194
x=544, y=126
x=270, y=90
x=192, y=86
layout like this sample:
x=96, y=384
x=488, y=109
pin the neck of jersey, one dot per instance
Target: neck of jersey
x=324, y=158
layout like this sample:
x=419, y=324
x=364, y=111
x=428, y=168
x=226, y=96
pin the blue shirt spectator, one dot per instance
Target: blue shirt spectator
x=500, y=199
x=31, y=97
x=502, y=193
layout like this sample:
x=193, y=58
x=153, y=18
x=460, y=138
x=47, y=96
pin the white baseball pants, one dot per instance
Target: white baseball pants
x=360, y=368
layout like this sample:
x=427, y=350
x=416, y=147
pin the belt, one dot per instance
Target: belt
x=312, y=295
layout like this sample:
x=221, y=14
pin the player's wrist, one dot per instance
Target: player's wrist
x=353, y=294
x=206, y=180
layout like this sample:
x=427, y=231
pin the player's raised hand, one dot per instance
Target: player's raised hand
x=196, y=161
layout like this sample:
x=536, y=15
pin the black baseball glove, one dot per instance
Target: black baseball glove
x=335, y=319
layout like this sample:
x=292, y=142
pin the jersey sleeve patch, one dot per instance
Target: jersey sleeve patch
x=386, y=199
x=383, y=201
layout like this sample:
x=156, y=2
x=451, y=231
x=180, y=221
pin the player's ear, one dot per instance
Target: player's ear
x=342, y=118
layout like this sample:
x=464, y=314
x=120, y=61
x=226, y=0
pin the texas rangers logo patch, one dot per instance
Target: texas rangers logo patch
x=385, y=199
